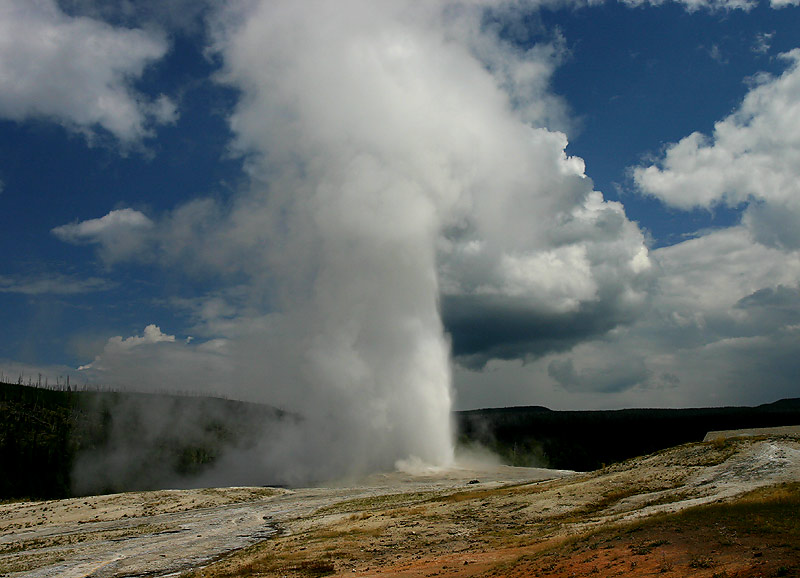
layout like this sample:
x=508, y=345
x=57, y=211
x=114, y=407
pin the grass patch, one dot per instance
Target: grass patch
x=387, y=501
x=519, y=488
x=269, y=565
x=607, y=500
x=763, y=511
x=350, y=533
x=643, y=548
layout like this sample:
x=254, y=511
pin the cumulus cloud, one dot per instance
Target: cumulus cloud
x=751, y=159
x=152, y=334
x=520, y=228
x=77, y=71
x=722, y=329
x=720, y=321
x=586, y=271
x=119, y=347
x=721, y=326
x=726, y=319
x=120, y=234
x=726, y=309
x=714, y=271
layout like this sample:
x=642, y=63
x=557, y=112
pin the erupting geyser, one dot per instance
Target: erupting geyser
x=345, y=115
x=396, y=155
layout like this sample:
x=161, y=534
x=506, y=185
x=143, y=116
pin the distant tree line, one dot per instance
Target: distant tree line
x=588, y=440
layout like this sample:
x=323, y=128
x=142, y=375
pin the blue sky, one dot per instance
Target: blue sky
x=589, y=206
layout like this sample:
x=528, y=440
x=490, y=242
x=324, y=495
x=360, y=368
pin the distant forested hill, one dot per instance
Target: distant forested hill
x=586, y=440
x=56, y=443
x=35, y=441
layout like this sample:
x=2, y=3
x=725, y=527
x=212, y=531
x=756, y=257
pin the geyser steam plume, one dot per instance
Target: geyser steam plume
x=396, y=152
x=340, y=115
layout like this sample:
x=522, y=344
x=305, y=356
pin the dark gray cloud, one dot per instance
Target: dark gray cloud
x=483, y=328
x=781, y=298
x=613, y=378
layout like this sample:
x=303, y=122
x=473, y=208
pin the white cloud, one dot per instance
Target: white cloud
x=783, y=3
x=724, y=312
x=152, y=334
x=95, y=229
x=119, y=349
x=720, y=324
x=713, y=272
x=121, y=234
x=721, y=328
x=77, y=71
x=752, y=158
x=435, y=121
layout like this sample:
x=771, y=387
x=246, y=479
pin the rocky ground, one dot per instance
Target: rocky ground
x=724, y=508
